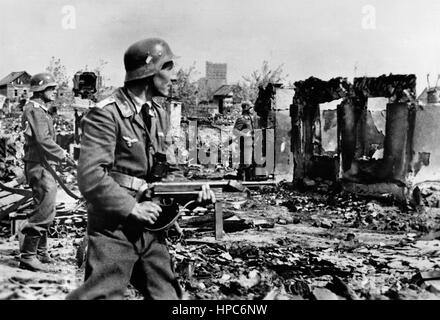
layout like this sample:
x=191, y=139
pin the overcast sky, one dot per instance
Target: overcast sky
x=325, y=38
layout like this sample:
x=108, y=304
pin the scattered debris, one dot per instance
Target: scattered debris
x=280, y=244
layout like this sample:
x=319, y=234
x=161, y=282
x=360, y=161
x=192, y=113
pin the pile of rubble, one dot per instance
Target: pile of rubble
x=186, y=172
x=294, y=271
x=427, y=194
x=11, y=149
x=228, y=118
x=279, y=244
x=354, y=248
x=62, y=125
x=70, y=222
x=346, y=209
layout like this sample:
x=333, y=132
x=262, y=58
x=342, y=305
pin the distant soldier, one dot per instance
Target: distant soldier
x=244, y=131
x=40, y=151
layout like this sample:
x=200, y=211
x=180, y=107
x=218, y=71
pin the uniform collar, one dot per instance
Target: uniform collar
x=127, y=106
x=39, y=103
x=138, y=102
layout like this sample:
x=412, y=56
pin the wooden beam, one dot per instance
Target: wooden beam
x=218, y=214
x=5, y=211
x=218, y=220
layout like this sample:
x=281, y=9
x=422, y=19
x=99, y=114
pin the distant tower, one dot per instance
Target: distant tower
x=215, y=76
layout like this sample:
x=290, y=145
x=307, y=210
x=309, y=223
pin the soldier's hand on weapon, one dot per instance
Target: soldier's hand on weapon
x=206, y=195
x=146, y=212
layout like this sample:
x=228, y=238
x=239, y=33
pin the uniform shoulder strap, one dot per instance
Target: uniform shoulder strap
x=101, y=104
x=37, y=105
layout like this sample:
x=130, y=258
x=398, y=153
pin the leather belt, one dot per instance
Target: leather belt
x=127, y=181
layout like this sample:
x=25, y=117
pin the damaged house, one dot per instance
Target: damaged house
x=16, y=85
x=371, y=136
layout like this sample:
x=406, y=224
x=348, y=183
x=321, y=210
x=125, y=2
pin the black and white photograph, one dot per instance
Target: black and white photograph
x=247, y=151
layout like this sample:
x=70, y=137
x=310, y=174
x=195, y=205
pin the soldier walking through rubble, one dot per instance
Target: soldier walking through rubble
x=40, y=151
x=123, y=146
x=243, y=131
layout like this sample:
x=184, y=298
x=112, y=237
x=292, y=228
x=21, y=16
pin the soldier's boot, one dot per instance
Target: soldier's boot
x=28, y=258
x=42, y=252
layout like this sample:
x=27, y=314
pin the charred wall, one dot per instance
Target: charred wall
x=273, y=109
x=374, y=143
x=310, y=158
x=357, y=166
x=425, y=162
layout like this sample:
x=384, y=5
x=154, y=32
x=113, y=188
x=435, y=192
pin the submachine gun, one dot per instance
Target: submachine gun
x=169, y=194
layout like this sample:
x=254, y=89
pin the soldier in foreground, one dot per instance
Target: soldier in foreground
x=123, y=145
x=40, y=151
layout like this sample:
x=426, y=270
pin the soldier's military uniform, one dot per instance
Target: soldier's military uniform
x=116, y=153
x=40, y=143
x=243, y=130
x=40, y=151
x=244, y=123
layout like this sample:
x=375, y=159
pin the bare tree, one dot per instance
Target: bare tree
x=248, y=89
x=58, y=70
x=103, y=90
x=99, y=71
x=185, y=88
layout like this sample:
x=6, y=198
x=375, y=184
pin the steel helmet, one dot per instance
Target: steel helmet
x=146, y=57
x=246, y=105
x=41, y=81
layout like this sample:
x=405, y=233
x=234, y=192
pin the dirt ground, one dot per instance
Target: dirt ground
x=295, y=246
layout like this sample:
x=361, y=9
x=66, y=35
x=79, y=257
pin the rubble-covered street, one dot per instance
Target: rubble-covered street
x=279, y=244
x=255, y=151
x=311, y=240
